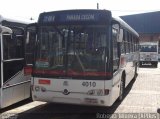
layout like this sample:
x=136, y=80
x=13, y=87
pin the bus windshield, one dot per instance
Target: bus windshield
x=148, y=48
x=72, y=50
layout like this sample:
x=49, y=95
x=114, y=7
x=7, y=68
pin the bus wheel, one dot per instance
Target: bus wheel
x=156, y=65
x=135, y=73
x=30, y=98
x=121, y=92
x=140, y=64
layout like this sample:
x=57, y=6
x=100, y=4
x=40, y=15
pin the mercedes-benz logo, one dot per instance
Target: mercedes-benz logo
x=65, y=83
x=66, y=92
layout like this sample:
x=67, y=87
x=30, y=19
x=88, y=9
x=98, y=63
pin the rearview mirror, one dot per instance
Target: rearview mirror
x=120, y=36
x=27, y=38
x=4, y=29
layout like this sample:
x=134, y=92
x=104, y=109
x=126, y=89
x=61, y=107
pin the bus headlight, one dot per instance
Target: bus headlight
x=91, y=92
x=141, y=58
x=155, y=57
x=100, y=92
x=43, y=89
x=97, y=92
x=37, y=88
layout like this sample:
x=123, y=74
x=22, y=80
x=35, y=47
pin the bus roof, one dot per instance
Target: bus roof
x=102, y=15
x=86, y=16
x=149, y=43
x=11, y=20
x=125, y=25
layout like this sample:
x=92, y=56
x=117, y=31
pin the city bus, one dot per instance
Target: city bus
x=83, y=57
x=149, y=53
x=15, y=70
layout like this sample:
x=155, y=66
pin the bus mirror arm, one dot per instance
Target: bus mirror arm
x=120, y=36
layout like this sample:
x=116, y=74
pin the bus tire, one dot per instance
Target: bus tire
x=135, y=73
x=140, y=64
x=122, y=87
x=156, y=64
x=30, y=98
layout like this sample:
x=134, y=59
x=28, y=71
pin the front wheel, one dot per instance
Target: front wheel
x=156, y=65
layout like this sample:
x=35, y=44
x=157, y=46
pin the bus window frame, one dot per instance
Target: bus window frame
x=116, y=27
x=3, y=29
x=27, y=41
x=10, y=61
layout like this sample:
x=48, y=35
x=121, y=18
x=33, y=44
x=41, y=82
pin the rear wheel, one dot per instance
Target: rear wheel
x=156, y=64
x=122, y=87
x=135, y=73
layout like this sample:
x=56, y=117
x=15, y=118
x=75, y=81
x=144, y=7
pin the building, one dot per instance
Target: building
x=146, y=24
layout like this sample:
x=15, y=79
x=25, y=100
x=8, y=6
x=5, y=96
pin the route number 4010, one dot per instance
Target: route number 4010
x=89, y=84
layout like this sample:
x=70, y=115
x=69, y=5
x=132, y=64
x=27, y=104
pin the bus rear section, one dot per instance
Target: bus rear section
x=149, y=53
x=74, y=57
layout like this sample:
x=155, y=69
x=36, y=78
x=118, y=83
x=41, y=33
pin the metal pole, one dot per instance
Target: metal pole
x=97, y=5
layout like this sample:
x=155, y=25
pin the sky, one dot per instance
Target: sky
x=26, y=9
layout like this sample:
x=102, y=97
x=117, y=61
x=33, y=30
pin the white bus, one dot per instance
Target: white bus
x=15, y=72
x=149, y=53
x=83, y=57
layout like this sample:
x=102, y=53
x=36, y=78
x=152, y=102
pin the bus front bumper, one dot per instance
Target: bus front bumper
x=77, y=99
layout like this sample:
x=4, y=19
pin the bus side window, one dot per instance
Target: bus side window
x=13, y=48
x=137, y=45
x=129, y=41
x=0, y=64
x=134, y=48
x=123, y=48
x=115, y=49
x=19, y=45
x=133, y=38
x=126, y=42
x=8, y=47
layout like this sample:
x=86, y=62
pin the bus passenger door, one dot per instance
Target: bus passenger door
x=8, y=69
x=116, y=60
x=30, y=41
x=31, y=36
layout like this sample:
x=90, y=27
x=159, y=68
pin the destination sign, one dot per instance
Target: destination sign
x=70, y=17
x=49, y=18
x=82, y=17
x=74, y=16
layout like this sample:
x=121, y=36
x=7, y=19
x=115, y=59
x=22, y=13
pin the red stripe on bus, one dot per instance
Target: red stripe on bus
x=51, y=72
x=71, y=73
x=28, y=70
x=93, y=73
x=43, y=60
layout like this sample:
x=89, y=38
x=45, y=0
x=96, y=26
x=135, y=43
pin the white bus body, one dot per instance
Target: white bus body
x=83, y=57
x=149, y=53
x=15, y=74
